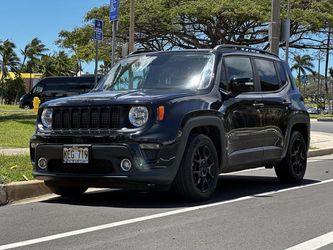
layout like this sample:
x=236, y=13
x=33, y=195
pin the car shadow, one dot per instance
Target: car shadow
x=229, y=187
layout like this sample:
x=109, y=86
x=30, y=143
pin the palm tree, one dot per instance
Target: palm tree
x=33, y=52
x=301, y=65
x=8, y=62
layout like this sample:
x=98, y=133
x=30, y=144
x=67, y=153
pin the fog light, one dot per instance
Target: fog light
x=126, y=165
x=42, y=163
x=33, y=145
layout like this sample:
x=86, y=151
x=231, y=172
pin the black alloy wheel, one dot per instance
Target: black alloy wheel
x=292, y=168
x=203, y=171
x=198, y=172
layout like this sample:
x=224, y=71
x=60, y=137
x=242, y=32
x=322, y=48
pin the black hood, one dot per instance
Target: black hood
x=122, y=97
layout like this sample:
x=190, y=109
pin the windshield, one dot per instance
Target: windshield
x=160, y=71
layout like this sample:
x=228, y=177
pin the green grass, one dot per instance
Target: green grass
x=16, y=128
x=313, y=116
x=9, y=107
x=15, y=168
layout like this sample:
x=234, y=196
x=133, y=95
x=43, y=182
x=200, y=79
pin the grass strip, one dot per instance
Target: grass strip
x=15, y=168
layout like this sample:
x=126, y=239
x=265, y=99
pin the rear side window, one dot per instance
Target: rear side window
x=282, y=73
x=238, y=67
x=269, y=80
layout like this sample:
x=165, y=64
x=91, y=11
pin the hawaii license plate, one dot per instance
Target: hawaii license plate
x=75, y=154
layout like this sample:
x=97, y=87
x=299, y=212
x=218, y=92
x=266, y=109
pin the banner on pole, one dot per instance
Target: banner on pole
x=114, y=10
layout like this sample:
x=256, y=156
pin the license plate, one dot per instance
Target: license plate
x=76, y=154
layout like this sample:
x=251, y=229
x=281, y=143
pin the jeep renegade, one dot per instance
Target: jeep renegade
x=175, y=119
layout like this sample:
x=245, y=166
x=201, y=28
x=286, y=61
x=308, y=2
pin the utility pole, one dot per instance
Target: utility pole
x=287, y=41
x=275, y=27
x=319, y=60
x=327, y=60
x=131, y=28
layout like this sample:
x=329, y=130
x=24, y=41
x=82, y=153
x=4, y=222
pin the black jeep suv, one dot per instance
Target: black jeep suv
x=175, y=119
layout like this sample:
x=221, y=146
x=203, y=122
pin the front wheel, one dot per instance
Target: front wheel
x=197, y=175
x=65, y=190
x=292, y=168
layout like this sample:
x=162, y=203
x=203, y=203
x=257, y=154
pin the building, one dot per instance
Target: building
x=30, y=79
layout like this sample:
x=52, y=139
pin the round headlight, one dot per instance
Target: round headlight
x=46, y=118
x=138, y=116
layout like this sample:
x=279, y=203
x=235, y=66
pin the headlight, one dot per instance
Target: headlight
x=138, y=116
x=46, y=117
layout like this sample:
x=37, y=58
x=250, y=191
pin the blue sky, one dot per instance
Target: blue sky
x=22, y=20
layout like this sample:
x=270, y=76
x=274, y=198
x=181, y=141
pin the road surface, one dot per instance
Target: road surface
x=250, y=210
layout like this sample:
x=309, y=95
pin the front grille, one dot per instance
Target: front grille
x=89, y=118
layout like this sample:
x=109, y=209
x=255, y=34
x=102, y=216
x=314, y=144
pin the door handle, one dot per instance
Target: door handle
x=258, y=105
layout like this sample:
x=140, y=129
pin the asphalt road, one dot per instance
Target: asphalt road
x=326, y=127
x=250, y=210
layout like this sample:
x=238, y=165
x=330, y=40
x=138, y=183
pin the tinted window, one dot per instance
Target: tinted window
x=282, y=73
x=238, y=67
x=289, y=75
x=58, y=86
x=223, y=80
x=267, y=74
x=38, y=88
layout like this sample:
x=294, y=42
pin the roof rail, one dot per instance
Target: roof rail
x=139, y=51
x=244, y=48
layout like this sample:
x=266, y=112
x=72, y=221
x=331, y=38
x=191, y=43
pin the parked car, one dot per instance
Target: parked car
x=312, y=110
x=176, y=120
x=50, y=88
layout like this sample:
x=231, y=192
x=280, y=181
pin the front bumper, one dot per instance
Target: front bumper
x=104, y=169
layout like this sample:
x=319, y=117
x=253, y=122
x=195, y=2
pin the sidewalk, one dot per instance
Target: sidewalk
x=320, y=142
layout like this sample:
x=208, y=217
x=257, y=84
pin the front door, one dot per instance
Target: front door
x=241, y=113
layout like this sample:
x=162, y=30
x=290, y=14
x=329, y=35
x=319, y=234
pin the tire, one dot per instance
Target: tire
x=65, y=190
x=197, y=175
x=26, y=106
x=293, y=166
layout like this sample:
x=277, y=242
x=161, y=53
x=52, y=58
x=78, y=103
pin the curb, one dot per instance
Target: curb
x=28, y=189
x=325, y=119
x=21, y=190
x=320, y=152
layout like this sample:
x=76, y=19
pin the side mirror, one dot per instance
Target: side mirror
x=240, y=85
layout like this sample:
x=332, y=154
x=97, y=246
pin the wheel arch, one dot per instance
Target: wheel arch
x=299, y=123
x=209, y=125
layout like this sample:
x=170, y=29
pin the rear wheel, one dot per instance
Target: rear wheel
x=292, y=168
x=26, y=106
x=198, y=173
x=65, y=190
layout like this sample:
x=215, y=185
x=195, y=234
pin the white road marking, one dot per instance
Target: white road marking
x=315, y=243
x=149, y=217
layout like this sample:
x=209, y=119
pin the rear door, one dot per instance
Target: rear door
x=240, y=112
x=274, y=112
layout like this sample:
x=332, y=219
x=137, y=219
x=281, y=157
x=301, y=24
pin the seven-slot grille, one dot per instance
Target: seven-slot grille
x=87, y=118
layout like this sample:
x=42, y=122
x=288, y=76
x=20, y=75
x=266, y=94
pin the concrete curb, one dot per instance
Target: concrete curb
x=325, y=119
x=28, y=189
x=320, y=152
x=21, y=190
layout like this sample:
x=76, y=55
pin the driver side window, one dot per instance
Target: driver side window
x=38, y=89
x=239, y=71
